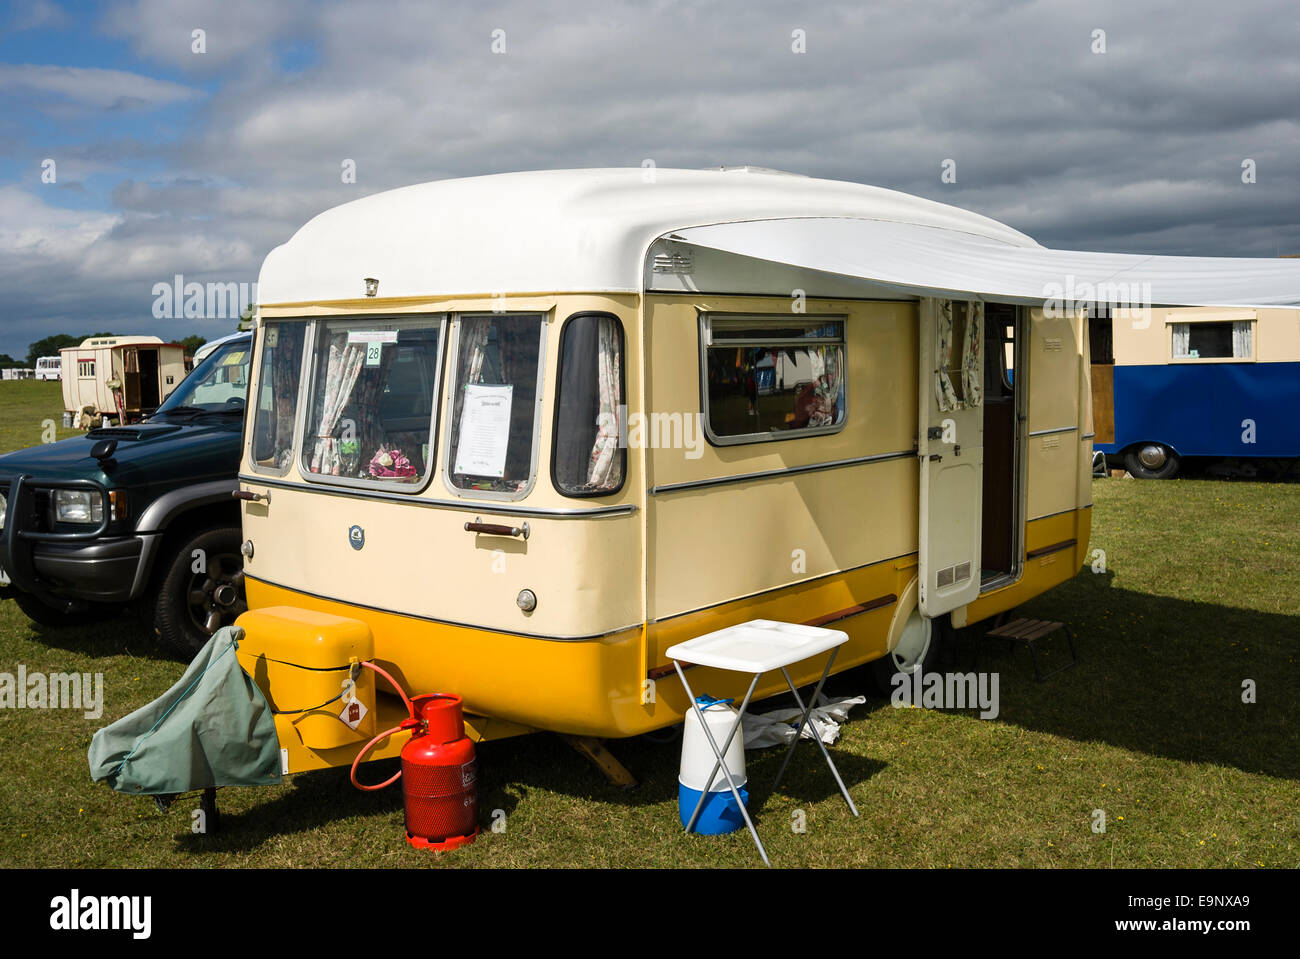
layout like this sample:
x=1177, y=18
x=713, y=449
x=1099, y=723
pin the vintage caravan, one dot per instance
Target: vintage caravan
x=122, y=377
x=49, y=368
x=1195, y=382
x=512, y=437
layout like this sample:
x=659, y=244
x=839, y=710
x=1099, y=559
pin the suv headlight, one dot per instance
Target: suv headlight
x=78, y=506
x=4, y=508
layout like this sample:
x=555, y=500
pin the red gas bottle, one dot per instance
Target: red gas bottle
x=439, y=776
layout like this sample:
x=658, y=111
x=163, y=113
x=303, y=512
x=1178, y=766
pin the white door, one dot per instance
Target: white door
x=950, y=444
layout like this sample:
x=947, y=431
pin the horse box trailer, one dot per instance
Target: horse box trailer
x=512, y=437
x=124, y=377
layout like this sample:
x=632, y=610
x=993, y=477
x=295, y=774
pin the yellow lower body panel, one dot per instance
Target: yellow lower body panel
x=622, y=684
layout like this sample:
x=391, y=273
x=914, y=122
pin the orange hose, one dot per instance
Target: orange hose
x=388, y=782
x=410, y=708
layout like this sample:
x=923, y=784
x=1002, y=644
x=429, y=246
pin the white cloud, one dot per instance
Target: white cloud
x=91, y=86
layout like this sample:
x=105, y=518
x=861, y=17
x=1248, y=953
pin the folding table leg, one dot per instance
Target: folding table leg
x=807, y=712
x=721, y=763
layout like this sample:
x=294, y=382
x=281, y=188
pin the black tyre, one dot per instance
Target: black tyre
x=43, y=614
x=1152, y=461
x=918, y=650
x=201, y=590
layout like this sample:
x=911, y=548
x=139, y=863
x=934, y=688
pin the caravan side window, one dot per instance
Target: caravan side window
x=1231, y=339
x=276, y=405
x=586, y=459
x=492, y=448
x=772, y=377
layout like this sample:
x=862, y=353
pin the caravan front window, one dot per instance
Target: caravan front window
x=370, y=420
x=772, y=377
x=492, y=449
x=276, y=405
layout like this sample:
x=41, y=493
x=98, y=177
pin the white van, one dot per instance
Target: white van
x=49, y=368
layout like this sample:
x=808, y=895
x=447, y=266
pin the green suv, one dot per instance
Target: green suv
x=137, y=515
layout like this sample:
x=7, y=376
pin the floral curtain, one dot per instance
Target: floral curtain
x=943, y=389
x=1241, y=345
x=605, y=469
x=341, y=372
x=972, y=382
x=1182, y=340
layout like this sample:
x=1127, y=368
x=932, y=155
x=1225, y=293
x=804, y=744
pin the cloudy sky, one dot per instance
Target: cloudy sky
x=171, y=160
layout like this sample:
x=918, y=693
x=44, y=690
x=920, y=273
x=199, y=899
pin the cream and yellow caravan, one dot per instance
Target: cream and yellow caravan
x=512, y=437
x=123, y=377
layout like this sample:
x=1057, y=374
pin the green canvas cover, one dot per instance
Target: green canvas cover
x=213, y=728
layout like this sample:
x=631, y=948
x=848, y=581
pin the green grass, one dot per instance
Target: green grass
x=1201, y=591
x=28, y=408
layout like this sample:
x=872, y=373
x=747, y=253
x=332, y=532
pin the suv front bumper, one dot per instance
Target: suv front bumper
x=90, y=566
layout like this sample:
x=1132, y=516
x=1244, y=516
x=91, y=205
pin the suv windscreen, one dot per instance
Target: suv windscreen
x=218, y=384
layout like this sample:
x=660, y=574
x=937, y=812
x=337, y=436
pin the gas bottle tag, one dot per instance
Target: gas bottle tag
x=354, y=710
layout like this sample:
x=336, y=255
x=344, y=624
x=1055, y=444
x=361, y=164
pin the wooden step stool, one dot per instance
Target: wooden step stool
x=1029, y=631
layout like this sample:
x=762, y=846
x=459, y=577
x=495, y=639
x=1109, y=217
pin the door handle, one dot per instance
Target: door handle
x=497, y=529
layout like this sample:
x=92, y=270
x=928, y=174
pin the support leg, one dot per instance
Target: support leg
x=615, y=772
x=816, y=738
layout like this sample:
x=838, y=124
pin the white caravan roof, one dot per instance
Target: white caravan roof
x=589, y=230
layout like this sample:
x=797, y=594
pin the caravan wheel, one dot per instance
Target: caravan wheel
x=917, y=649
x=1152, y=461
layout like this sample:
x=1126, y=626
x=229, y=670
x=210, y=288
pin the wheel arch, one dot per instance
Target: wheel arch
x=183, y=517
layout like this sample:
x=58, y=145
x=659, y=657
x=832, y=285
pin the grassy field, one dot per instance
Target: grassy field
x=1201, y=592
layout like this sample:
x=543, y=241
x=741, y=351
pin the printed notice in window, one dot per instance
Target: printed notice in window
x=484, y=431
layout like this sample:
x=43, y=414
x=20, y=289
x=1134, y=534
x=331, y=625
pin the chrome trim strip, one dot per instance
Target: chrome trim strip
x=1059, y=429
x=468, y=506
x=448, y=622
x=788, y=471
x=1087, y=436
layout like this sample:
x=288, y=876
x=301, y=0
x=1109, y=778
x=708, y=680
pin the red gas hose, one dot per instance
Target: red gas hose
x=407, y=724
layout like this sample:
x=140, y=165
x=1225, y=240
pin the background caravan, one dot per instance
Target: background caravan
x=124, y=377
x=512, y=437
x=1168, y=384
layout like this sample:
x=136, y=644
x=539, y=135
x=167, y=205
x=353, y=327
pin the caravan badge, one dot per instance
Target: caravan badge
x=357, y=537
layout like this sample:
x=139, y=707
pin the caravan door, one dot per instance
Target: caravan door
x=950, y=444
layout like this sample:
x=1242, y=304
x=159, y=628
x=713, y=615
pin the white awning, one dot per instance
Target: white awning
x=933, y=261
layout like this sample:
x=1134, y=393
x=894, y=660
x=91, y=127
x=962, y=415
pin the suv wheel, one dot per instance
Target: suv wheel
x=202, y=589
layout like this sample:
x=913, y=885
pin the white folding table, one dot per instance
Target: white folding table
x=757, y=647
